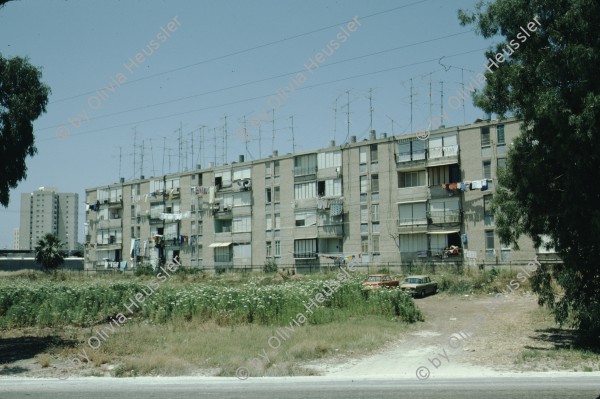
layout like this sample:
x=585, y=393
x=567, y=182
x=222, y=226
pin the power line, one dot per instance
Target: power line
x=247, y=49
x=268, y=95
x=265, y=79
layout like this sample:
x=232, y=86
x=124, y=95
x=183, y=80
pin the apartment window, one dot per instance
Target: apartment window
x=500, y=134
x=242, y=251
x=364, y=185
x=276, y=168
x=489, y=244
x=268, y=195
x=269, y=220
x=305, y=190
x=329, y=159
x=487, y=169
x=375, y=227
x=412, y=213
x=362, y=155
x=373, y=153
x=305, y=248
x=364, y=244
x=364, y=214
x=242, y=224
x=306, y=218
x=277, y=221
x=411, y=179
x=375, y=183
x=277, y=248
x=364, y=228
x=375, y=212
x=268, y=169
x=276, y=194
x=443, y=174
x=488, y=216
x=413, y=150
x=375, y=243
x=305, y=164
x=485, y=136
x=268, y=249
x=222, y=254
x=330, y=187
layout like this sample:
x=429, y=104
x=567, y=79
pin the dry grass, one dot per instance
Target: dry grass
x=43, y=360
x=204, y=348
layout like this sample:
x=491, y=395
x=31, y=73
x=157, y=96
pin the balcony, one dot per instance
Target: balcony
x=411, y=158
x=305, y=255
x=409, y=194
x=445, y=155
x=445, y=216
x=304, y=170
x=331, y=231
x=412, y=226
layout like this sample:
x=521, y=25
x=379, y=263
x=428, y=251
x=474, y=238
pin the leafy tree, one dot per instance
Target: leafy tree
x=550, y=185
x=48, y=252
x=23, y=98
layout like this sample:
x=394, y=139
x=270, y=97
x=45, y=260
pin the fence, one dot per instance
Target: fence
x=433, y=268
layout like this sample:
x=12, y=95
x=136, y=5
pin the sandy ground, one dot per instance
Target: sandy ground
x=478, y=347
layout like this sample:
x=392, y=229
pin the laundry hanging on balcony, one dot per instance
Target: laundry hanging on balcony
x=336, y=207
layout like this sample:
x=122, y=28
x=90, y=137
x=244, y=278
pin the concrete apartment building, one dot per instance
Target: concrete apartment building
x=48, y=211
x=16, y=243
x=382, y=200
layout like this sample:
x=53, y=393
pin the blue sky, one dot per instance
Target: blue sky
x=225, y=59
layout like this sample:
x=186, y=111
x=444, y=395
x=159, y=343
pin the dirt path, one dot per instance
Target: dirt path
x=479, y=347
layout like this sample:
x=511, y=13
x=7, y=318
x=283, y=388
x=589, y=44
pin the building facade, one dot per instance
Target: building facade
x=383, y=200
x=16, y=234
x=48, y=211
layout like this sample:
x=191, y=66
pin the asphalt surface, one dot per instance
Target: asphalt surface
x=575, y=386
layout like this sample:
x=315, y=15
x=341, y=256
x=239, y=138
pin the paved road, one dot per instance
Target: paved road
x=547, y=387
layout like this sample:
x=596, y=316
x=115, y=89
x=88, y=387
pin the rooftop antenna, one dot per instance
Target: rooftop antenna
x=273, y=135
x=259, y=140
x=142, y=161
x=430, y=100
x=164, y=150
x=134, y=147
x=371, y=109
x=442, y=103
x=152, y=154
x=293, y=141
x=120, y=148
x=245, y=136
x=411, y=105
x=347, y=114
x=392, y=124
x=215, y=136
x=225, y=140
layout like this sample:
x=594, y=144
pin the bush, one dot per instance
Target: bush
x=270, y=266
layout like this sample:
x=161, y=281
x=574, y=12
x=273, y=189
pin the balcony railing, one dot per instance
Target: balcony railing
x=412, y=222
x=304, y=170
x=444, y=151
x=445, y=216
x=305, y=255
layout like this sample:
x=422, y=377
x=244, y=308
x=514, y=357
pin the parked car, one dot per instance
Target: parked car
x=380, y=280
x=419, y=285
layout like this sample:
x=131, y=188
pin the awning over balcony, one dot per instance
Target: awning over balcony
x=443, y=232
x=219, y=244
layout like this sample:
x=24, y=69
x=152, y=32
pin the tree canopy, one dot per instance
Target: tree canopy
x=550, y=185
x=23, y=98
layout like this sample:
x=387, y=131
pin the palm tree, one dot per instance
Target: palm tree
x=47, y=252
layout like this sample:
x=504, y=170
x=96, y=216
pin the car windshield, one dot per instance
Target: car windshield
x=374, y=278
x=413, y=280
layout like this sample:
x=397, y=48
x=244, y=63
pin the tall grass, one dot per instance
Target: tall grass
x=40, y=303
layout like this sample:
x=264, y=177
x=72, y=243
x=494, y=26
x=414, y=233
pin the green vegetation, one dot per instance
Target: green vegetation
x=26, y=302
x=47, y=253
x=550, y=83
